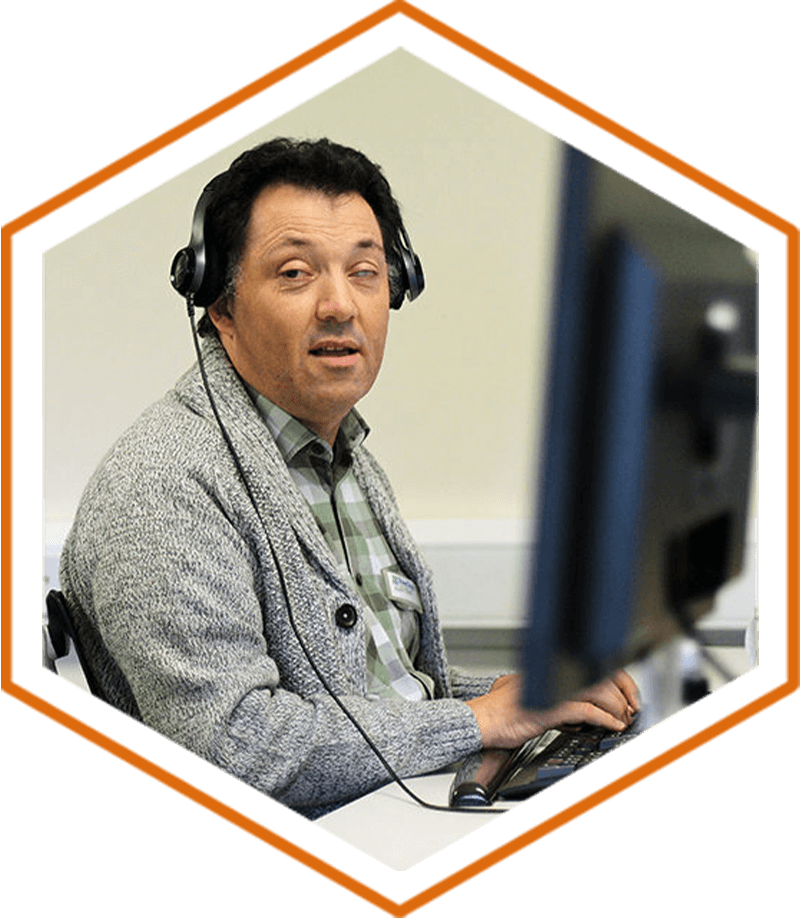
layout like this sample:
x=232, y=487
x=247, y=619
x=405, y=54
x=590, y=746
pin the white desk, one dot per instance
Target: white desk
x=416, y=833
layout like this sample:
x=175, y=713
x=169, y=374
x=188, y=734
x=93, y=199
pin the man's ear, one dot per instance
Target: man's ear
x=220, y=314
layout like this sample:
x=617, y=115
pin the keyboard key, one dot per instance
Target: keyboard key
x=551, y=772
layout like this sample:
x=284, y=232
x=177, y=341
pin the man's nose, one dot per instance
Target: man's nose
x=336, y=302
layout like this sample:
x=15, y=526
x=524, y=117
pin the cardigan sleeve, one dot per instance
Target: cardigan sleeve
x=466, y=685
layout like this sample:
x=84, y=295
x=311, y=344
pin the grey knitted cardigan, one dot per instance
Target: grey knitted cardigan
x=177, y=600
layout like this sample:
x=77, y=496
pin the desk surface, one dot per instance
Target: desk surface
x=417, y=832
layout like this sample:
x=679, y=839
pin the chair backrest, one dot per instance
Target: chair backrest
x=49, y=655
x=59, y=637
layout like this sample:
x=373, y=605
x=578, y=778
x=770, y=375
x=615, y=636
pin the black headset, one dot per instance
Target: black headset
x=198, y=269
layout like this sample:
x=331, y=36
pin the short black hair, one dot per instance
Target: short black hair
x=317, y=165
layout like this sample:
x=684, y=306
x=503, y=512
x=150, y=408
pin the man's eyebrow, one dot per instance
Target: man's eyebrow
x=290, y=242
x=368, y=244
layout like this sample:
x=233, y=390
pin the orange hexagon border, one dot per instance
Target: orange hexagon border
x=793, y=412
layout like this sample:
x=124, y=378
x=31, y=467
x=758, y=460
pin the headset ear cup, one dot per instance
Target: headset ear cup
x=181, y=274
x=196, y=269
x=416, y=279
x=413, y=278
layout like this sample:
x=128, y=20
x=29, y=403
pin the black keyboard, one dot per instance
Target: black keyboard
x=515, y=774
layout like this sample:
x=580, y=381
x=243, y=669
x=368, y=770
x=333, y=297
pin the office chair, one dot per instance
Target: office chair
x=59, y=637
x=48, y=654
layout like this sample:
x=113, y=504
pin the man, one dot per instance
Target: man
x=225, y=591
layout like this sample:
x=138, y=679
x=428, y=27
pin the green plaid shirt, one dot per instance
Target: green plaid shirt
x=326, y=480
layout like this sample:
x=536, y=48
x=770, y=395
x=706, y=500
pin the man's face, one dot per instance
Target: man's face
x=307, y=326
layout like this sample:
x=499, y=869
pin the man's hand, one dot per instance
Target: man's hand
x=504, y=724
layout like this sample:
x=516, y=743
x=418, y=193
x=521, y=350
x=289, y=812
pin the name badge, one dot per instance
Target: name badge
x=401, y=590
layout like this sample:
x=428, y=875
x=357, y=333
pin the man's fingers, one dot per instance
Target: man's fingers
x=617, y=695
x=628, y=688
x=574, y=713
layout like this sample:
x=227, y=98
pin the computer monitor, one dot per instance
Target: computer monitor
x=644, y=477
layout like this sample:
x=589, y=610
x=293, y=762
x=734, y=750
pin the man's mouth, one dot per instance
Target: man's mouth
x=334, y=350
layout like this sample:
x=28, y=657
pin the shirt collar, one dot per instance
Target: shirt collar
x=292, y=436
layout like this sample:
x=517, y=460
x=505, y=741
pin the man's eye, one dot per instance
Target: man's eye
x=292, y=273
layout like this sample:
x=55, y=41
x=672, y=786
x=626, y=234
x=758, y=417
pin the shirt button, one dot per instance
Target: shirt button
x=346, y=616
